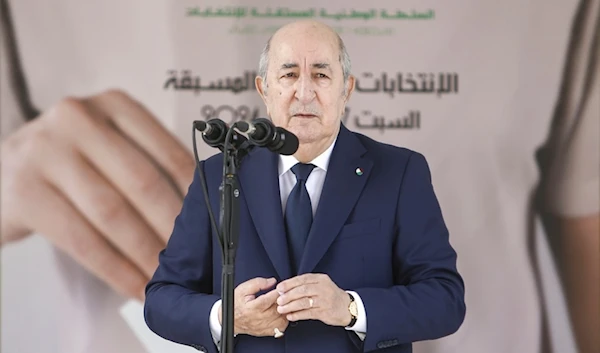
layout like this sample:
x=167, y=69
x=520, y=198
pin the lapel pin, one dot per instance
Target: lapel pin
x=359, y=171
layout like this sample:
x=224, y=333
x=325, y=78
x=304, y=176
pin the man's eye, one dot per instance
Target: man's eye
x=321, y=75
x=289, y=74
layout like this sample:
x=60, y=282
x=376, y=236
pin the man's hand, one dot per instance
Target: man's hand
x=314, y=297
x=102, y=180
x=256, y=316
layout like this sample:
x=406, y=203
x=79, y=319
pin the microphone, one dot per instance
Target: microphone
x=214, y=132
x=263, y=133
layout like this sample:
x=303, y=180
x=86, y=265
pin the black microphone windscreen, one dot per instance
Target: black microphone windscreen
x=290, y=142
x=243, y=126
x=199, y=125
x=217, y=132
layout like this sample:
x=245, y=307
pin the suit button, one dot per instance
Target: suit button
x=293, y=323
x=386, y=344
x=200, y=348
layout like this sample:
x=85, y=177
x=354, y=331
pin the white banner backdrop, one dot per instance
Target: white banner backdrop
x=470, y=84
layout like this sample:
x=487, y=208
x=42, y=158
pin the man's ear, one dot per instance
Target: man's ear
x=349, y=88
x=259, y=83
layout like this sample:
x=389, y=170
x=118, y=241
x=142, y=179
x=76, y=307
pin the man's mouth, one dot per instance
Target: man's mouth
x=304, y=115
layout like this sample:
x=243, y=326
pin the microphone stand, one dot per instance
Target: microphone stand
x=234, y=150
x=229, y=220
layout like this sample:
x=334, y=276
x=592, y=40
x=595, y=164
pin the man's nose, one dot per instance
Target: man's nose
x=305, y=91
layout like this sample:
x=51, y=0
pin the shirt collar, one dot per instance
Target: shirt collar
x=321, y=161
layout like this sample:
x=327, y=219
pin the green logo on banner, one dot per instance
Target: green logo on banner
x=284, y=12
x=346, y=21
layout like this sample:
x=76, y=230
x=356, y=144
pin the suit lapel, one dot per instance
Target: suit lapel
x=343, y=185
x=259, y=181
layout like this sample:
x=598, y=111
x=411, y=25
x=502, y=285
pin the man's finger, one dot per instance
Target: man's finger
x=265, y=301
x=140, y=124
x=255, y=285
x=307, y=314
x=299, y=292
x=105, y=208
x=300, y=304
x=287, y=285
x=62, y=224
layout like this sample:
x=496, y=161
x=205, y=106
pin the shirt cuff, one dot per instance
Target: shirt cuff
x=360, y=326
x=215, y=327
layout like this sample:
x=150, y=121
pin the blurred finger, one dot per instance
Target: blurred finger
x=65, y=227
x=105, y=208
x=122, y=163
x=140, y=124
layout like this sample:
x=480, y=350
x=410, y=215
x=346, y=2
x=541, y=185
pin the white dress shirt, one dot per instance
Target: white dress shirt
x=314, y=186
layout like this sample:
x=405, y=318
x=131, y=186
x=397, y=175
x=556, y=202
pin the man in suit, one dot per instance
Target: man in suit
x=342, y=248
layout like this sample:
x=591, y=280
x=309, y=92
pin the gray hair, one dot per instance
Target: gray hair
x=344, y=61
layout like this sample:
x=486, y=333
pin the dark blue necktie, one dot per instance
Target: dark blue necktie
x=298, y=214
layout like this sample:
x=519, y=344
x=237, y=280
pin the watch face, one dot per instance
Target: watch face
x=353, y=309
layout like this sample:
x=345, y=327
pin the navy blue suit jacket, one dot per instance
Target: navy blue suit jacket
x=380, y=234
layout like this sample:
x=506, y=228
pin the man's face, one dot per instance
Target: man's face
x=304, y=91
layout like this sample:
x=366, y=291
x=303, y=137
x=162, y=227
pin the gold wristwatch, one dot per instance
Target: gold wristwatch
x=353, y=309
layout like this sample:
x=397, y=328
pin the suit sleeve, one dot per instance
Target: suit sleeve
x=427, y=301
x=179, y=295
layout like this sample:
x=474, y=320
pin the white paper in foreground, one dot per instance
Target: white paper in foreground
x=133, y=313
